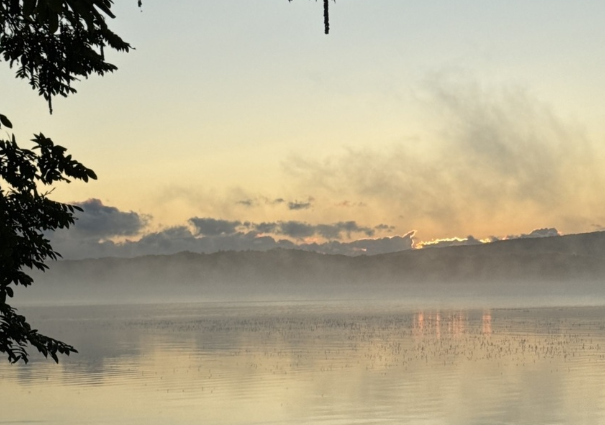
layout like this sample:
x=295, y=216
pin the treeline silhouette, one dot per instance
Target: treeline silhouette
x=561, y=265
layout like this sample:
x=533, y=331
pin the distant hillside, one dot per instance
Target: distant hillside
x=571, y=265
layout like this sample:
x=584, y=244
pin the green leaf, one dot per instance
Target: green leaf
x=5, y=121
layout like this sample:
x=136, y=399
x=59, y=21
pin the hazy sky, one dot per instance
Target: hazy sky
x=447, y=118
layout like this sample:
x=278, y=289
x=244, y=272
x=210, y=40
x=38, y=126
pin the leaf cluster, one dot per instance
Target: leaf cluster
x=56, y=42
x=26, y=214
x=16, y=335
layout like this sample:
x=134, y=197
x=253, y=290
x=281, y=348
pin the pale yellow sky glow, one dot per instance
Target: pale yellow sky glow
x=482, y=119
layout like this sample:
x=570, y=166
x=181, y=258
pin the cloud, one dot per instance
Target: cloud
x=214, y=227
x=165, y=242
x=349, y=204
x=384, y=228
x=536, y=233
x=180, y=238
x=496, y=151
x=299, y=205
x=95, y=225
x=263, y=200
x=246, y=202
x=99, y=221
x=334, y=231
x=209, y=235
x=302, y=230
x=296, y=229
x=264, y=227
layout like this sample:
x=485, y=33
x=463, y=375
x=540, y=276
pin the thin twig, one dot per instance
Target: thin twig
x=326, y=17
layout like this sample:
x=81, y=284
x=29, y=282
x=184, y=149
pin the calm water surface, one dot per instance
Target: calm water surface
x=312, y=363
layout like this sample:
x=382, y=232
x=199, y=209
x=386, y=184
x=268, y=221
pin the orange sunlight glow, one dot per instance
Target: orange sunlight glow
x=435, y=242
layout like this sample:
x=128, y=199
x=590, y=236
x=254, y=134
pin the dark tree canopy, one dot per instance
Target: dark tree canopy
x=52, y=43
x=25, y=214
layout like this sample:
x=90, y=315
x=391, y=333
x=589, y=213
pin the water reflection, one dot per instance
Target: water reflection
x=487, y=322
x=430, y=323
x=314, y=363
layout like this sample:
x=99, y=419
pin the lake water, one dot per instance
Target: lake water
x=312, y=363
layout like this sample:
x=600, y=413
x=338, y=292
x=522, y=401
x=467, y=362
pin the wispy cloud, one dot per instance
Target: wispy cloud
x=498, y=154
x=385, y=227
x=246, y=202
x=296, y=205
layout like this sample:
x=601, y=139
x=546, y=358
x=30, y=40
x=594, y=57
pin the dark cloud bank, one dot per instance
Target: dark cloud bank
x=90, y=237
x=100, y=221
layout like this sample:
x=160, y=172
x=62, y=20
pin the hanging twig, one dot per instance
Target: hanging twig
x=326, y=17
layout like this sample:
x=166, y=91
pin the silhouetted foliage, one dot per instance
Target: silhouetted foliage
x=52, y=43
x=26, y=213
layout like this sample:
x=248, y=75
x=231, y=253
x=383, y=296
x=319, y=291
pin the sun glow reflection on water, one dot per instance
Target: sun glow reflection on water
x=325, y=363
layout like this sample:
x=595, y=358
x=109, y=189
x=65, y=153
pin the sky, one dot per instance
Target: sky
x=240, y=125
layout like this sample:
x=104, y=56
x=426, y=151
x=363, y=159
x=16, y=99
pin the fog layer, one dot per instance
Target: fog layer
x=559, y=270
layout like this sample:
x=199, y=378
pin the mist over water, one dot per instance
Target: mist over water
x=505, y=333
x=313, y=362
x=561, y=270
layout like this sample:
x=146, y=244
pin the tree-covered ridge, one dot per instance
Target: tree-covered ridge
x=570, y=267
